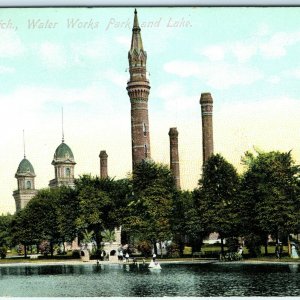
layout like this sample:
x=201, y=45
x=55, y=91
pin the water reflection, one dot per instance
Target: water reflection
x=130, y=280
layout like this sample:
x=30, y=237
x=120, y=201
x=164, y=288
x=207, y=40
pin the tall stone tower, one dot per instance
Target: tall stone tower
x=63, y=162
x=103, y=164
x=138, y=90
x=174, y=155
x=206, y=103
x=26, y=187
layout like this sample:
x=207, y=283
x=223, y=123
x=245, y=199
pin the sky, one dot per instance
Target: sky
x=76, y=58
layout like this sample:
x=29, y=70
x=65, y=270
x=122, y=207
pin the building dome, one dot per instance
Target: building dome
x=63, y=152
x=25, y=167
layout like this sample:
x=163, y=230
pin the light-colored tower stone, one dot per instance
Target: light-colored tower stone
x=206, y=103
x=103, y=164
x=26, y=187
x=174, y=155
x=63, y=162
x=138, y=90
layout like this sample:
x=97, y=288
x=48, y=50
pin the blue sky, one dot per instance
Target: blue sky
x=248, y=58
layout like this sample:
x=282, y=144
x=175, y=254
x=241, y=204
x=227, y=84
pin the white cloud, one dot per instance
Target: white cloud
x=124, y=41
x=261, y=43
x=119, y=79
x=93, y=49
x=274, y=79
x=277, y=45
x=294, y=73
x=6, y=70
x=243, y=51
x=215, y=52
x=176, y=98
x=53, y=55
x=11, y=45
x=219, y=75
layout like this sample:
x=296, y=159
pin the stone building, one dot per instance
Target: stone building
x=26, y=187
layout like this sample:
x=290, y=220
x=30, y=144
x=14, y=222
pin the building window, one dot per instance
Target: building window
x=146, y=150
x=144, y=129
x=68, y=172
x=28, y=185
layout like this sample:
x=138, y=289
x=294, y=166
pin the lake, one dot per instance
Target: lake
x=198, y=280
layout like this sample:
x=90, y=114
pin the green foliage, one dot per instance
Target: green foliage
x=100, y=203
x=108, y=236
x=270, y=194
x=232, y=244
x=217, y=197
x=253, y=242
x=87, y=236
x=44, y=248
x=151, y=206
x=173, y=250
x=145, y=248
x=3, y=251
x=5, y=225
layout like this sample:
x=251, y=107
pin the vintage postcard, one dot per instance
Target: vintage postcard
x=89, y=94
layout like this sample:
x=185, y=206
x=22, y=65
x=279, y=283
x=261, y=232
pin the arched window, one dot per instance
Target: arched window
x=68, y=172
x=144, y=129
x=146, y=150
x=28, y=185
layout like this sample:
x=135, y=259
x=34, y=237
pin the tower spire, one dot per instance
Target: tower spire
x=136, y=40
x=62, y=124
x=24, y=144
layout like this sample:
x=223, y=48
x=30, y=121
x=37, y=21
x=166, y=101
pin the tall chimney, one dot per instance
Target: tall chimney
x=174, y=155
x=103, y=164
x=206, y=103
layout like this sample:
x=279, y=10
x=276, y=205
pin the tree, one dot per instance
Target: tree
x=270, y=192
x=67, y=212
x=217, y=198
x=38, y=221
x=151, y=205
x=186, y=221
x=95, y=206
x=5, y=238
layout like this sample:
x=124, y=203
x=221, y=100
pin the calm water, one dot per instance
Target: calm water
x=173, y=280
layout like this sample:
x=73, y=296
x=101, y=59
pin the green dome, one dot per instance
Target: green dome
x=25, y=167
x=62, y=152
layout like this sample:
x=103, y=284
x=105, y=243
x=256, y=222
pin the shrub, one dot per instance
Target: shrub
x=232, y=244
x=3, y=251
x=173, y=250
x=76, y=254
x=253, y=243
x=145, y=248
x=44, y=248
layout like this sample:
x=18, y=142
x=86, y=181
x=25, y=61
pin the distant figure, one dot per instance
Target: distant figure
x=154, y=257
x=120, y=255
x=240, y=250
x=277, y=251
x=127, y=257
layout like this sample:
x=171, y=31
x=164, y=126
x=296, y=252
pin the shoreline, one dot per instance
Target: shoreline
x=162, y=262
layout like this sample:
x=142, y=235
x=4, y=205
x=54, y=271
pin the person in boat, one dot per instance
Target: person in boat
x=154, y=257
x=127, y=257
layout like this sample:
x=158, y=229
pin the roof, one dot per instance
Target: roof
x=25, y=167
x=63, y=152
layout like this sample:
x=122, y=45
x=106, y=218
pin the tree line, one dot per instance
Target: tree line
x=264, y=200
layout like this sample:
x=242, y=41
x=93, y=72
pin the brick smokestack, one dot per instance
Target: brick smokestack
x=206, y=103
x=174, y=155
x=103, y=164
